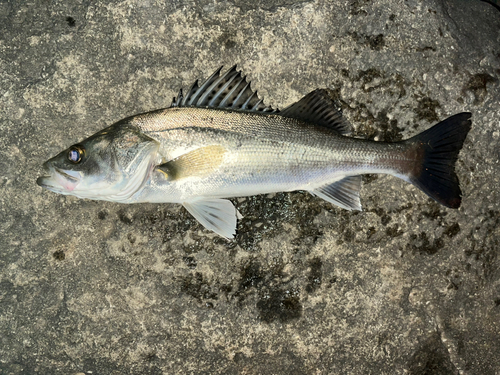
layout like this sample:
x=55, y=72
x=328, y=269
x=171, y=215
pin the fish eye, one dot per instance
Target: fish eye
x=76, y=153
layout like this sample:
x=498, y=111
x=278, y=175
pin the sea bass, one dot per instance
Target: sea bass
x=220, y=141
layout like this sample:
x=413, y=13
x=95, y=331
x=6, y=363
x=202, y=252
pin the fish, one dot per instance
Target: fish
x=221, y=141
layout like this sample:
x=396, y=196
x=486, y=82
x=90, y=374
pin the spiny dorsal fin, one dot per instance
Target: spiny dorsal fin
x=319, y=109
x=230, y=91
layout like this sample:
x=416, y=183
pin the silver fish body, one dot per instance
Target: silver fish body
x=220, y=141
x=260, y=153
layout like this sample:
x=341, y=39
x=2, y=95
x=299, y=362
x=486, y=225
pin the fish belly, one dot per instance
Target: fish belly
x=261, y=166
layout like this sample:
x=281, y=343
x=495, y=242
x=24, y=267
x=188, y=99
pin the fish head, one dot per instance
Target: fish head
x=110, y=165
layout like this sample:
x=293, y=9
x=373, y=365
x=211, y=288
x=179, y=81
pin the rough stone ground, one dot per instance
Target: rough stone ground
x=404, y=287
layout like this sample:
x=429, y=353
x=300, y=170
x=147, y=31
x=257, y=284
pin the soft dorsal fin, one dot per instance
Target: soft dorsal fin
x=319, y=109
x=229, y=91
x=199, y=162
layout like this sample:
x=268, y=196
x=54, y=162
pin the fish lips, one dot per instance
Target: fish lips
x=59, y=180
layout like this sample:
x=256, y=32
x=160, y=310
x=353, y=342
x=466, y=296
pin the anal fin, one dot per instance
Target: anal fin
x=218, y=215
x=343, y=193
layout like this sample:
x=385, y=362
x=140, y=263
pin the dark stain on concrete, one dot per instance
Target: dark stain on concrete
x=478, y=86
x=431, y=358
x=315, y=277
x=426, y=109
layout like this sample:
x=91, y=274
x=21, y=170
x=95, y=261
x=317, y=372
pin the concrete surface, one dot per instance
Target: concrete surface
x=405, y=287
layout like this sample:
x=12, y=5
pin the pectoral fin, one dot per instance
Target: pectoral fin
x=343, y=193
x=218, y=215
x=200, y=162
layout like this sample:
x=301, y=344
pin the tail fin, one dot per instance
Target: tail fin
x=440, y=146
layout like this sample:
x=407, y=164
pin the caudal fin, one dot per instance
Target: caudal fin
x=439, y=147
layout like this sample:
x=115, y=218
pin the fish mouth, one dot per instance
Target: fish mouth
x=43, y=181
x=67, y=176
x=57, y=180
